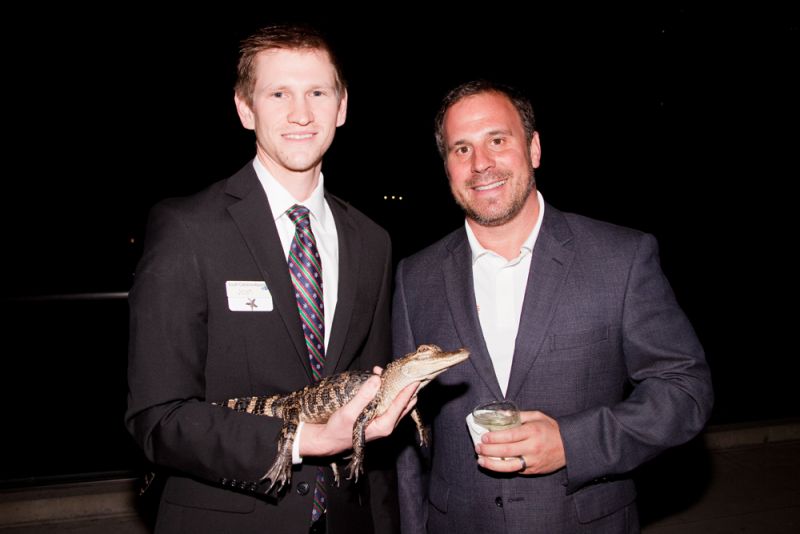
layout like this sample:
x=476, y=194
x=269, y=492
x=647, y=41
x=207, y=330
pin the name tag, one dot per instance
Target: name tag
x=248, y=296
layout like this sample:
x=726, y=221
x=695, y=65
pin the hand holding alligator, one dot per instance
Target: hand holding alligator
x=368, y=404
x=336, y=435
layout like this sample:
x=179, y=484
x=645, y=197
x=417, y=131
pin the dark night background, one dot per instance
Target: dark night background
x=682, y=122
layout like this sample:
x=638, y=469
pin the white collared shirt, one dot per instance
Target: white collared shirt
x=500, y=287
x=323, y=227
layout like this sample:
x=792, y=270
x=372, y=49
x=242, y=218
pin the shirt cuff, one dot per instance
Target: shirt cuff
x=296, y=458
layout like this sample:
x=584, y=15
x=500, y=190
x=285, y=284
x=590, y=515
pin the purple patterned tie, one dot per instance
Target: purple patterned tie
x=306, y=271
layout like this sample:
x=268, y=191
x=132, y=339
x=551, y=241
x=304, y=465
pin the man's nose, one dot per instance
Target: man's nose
x=301, y=112
x=482, y=160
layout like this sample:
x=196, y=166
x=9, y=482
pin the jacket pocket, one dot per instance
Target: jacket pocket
x=192, y=494
x=571, y=340
x=600, y=500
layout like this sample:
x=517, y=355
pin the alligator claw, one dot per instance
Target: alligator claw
x=280, y=473
x=355, y=467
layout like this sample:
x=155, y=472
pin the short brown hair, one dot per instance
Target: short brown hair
x=476, y=87
x=280, y=36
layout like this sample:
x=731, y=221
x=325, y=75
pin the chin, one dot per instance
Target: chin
x=302, y=165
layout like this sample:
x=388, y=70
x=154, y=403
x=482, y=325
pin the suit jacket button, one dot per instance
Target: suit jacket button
x=499, y=502
x=302, y=488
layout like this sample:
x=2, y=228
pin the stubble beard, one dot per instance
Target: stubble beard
x=491, y=218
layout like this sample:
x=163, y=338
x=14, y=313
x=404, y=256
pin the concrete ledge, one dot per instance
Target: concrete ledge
x=748, y=434
x=68, y=502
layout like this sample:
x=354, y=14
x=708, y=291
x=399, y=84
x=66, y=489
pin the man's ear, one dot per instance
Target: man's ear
x=245, y=112
x=342, y=115
x=536, y=151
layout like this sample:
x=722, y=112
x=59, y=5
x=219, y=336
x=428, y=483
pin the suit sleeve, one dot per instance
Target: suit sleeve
x=168, y=414
x=378, y=345
x=412, y=488
x=671, y=398
x=377, y=351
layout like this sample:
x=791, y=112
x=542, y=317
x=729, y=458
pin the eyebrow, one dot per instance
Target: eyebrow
x=490, y=133
x=504, y=131
x=272, y=87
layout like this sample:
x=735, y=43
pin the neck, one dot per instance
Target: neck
x=507, y=239
x=299, y=184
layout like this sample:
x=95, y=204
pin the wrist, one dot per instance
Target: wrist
x=314, y=442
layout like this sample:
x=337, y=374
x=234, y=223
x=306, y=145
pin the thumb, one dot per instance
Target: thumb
x=364, y=395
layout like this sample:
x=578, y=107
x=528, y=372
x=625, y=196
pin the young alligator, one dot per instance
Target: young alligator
x=316, y=402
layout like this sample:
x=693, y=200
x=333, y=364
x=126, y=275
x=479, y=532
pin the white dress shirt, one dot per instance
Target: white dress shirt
x=500, y=287
x=323, y=226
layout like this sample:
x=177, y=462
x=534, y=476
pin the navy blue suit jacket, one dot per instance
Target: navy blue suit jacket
x=602, y=347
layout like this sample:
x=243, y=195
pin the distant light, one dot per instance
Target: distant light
x=132, y=240
x=385, y=197
x=400, y=198
x=392, y=197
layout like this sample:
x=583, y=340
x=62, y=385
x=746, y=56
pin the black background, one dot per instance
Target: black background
x=682, y=122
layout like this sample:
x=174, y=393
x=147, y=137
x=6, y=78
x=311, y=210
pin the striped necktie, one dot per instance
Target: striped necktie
x=306, y=272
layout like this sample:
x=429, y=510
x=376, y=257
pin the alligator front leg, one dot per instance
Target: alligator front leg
x=424, y=435
x=356, y=465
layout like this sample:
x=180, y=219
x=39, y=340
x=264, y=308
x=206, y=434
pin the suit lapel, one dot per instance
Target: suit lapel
x=550, y=264
x=253, y=216
x=460, y=291
x=350, y=250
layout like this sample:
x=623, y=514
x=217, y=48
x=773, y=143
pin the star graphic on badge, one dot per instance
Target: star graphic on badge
x=252, y=304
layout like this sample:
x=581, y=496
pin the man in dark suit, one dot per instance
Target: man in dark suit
x=570, y=318
x=215, y=314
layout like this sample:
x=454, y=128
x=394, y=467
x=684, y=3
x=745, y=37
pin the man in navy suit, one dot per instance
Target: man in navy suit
x=214, y=315
x=570, y=318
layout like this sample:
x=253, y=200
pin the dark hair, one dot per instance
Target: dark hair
x=476, y=87
x=280, y=36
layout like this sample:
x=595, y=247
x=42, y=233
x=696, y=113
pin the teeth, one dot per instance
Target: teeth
x=298, y=136
x=490, y=186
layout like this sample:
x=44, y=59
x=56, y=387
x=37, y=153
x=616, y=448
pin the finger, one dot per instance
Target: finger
x=511, y=435
x=501, y=465
x=410, y=406
x=504, y=450
x=400, y=405
x=377, y=370
x=384, y=424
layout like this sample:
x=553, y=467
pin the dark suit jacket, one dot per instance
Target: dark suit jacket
x=188, y=349
x=602, y=347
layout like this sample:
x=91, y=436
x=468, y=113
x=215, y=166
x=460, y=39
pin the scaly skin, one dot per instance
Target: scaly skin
x=315, y=403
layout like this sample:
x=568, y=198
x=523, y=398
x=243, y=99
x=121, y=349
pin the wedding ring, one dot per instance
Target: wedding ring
x=524, y=464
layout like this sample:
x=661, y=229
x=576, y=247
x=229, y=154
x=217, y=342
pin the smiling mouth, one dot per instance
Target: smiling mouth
x=488, y=187
x=298, y=137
